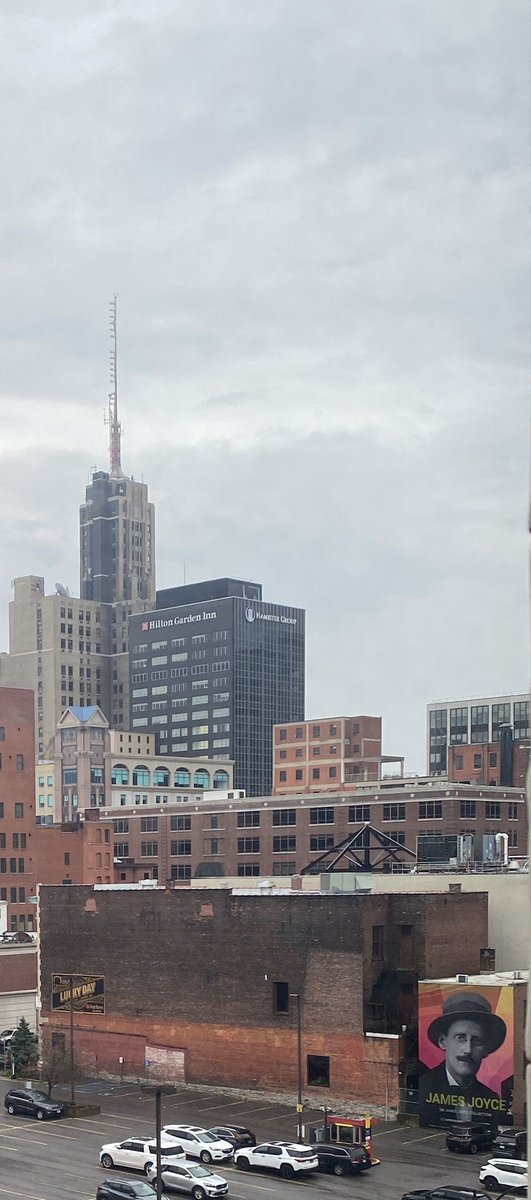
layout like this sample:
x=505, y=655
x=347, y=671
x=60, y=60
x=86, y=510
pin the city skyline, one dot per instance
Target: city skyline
x=316, y=239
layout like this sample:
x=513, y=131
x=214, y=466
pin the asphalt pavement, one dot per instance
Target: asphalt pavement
x=59, y=1160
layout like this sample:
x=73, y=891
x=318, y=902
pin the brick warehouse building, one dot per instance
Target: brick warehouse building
x=278, y=836
x=222, y=968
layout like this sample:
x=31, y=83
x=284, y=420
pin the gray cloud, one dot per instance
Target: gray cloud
x=316, y=218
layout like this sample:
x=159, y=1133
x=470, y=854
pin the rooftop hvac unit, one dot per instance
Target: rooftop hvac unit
x=462, y=978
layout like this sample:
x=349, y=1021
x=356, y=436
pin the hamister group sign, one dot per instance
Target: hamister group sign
x=83, y=993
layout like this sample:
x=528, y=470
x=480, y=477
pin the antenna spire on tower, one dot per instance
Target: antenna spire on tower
x=115, y=428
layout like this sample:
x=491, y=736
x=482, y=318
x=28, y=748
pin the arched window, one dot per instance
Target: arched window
x=161, y=777
x=202, y=778
x=221, y=779
x=141, y=777
x=120, y=774
x=182, y=777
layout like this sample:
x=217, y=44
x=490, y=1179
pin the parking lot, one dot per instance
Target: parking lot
x=60, y=1160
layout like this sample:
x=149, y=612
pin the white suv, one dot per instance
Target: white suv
x=504, y=1173
x=287, y=1158
x=199, y=1143
x=139, y=1153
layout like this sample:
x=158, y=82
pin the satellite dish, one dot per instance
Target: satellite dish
x=61, y=590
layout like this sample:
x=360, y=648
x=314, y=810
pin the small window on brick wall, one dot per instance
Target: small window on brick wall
x=318, y=1070
x=281, y=997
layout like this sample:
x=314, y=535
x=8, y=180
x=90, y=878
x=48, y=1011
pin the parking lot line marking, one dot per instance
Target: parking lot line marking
x=12, y=1134
x=426, y=1138
x=246, y=1109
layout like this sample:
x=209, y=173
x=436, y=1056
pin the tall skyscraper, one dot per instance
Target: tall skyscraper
x=116, y=522
x=74, y=651
x=213, y=669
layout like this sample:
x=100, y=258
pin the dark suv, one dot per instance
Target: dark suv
x=511, y=1143
x=469, y=1137
x=126, y=1189
x=32, y=1103
x=342, y=1160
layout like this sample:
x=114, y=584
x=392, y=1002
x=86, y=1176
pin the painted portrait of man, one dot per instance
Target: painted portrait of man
x=465, y=1032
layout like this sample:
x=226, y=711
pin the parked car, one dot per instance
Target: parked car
x=447, y=1192
x=5, y=1036
x=199, y=1143
x=31, y=1103
x=342, y=1160
x=139, y=1153
x=190, y=1177
x=126, y=1189
x=237, y=1135
x=504, y=1173
x=510, y=1143
x=470, y=1136
x=287, y=1158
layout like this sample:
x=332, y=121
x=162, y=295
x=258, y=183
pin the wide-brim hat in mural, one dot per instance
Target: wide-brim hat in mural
x=471, y=1006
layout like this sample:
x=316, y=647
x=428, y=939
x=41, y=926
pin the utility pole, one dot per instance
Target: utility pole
x=72, y=1059
x=296, y=996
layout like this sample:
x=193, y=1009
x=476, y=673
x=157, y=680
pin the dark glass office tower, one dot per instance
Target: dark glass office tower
x=213, y=673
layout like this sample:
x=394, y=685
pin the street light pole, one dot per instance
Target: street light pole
x=72, y=1059
x=158, y=1089
x=296, y=996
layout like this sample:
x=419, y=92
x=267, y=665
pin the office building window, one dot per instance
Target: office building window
x=479, y=723
x=322, y=841
x=501, y=715
x=430, y=810
x=250, y=868
x=283, y=843
x=248, y=820
x=180, y=823
x=322, y=816
x=394, y=812
x=149, y=824
x=492, y=811
x=398, y=835
x=316, y=772
x=282, y=776
x=121, y=849
x=358, y=813
x=181, y=847
x=181, y=871
x=467, y=809
x=149, y=849
x=512, y=811
x=249, y=845
x=284, y=816
x=521, y=720
x=458, y=726
x=477, y=761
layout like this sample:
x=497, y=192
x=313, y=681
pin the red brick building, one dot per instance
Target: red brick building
x=79, y=852
x=483, y=763
x=328, y=753
x=201, y=983
x=17, y=806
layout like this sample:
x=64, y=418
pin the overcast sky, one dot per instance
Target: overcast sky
x=315, y=214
